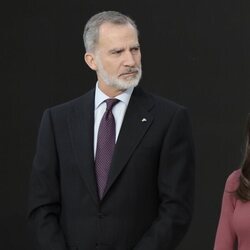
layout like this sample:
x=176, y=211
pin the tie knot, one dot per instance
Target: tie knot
x=111, y=103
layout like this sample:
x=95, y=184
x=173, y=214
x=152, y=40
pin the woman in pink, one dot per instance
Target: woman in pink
x=233, y=232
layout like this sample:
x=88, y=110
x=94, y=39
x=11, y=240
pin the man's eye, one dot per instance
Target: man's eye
x=135, y=49
x=117, y=52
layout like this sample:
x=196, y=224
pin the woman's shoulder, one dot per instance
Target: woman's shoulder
x=232, y=182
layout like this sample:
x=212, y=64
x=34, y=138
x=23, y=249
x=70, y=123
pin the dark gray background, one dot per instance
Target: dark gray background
x=193, y=52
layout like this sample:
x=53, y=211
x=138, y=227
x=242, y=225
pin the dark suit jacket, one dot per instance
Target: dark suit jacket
x=147, y=204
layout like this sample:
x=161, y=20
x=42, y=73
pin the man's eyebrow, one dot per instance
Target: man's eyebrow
x=122, y=49
x=116, y=49
x=136, y=46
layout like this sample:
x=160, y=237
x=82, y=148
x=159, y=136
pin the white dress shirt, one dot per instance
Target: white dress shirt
x=118, y=110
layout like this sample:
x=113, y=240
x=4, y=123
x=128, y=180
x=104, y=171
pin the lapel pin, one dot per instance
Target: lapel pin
x=144, y=120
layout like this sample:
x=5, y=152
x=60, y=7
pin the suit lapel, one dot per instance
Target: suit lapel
x=136, y=122
x=81, y=122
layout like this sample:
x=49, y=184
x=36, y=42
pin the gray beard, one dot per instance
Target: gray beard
x=118, y=83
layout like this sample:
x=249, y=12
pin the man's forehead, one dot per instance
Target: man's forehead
x=114, y=34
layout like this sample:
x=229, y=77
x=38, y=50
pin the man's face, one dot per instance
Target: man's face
x=117, y=56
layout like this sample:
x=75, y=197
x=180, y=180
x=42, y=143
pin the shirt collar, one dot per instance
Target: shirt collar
x=100, y=97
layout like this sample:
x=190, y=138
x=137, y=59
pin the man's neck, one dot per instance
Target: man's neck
x=109, y=91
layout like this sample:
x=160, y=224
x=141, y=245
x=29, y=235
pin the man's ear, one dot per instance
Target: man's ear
x=90, y=60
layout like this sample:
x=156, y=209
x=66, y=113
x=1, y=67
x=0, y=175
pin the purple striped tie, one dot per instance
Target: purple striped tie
x=105, y=146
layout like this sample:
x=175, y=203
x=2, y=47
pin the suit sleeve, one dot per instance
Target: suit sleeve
x=175, y=186
x=225, y=237
x=44, y=199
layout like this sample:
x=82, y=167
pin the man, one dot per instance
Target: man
x=114, y=169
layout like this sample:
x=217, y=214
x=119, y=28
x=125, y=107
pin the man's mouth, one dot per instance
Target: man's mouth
x=130, y=73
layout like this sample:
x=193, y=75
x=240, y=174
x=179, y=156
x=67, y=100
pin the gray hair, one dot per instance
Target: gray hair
x=91, y=30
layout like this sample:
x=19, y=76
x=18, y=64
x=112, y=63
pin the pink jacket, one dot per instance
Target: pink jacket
x=234, y=224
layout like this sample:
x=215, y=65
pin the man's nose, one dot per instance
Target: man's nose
x=129, y=59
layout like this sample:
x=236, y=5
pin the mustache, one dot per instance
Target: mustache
x=130, y=70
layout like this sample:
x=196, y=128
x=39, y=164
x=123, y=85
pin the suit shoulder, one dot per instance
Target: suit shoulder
x=162, y=108
x=162, y=101
x=164, y=104
x=78, y=101
x=167, y=102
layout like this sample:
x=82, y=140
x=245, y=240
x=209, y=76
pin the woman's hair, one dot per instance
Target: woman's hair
x=243, y=191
